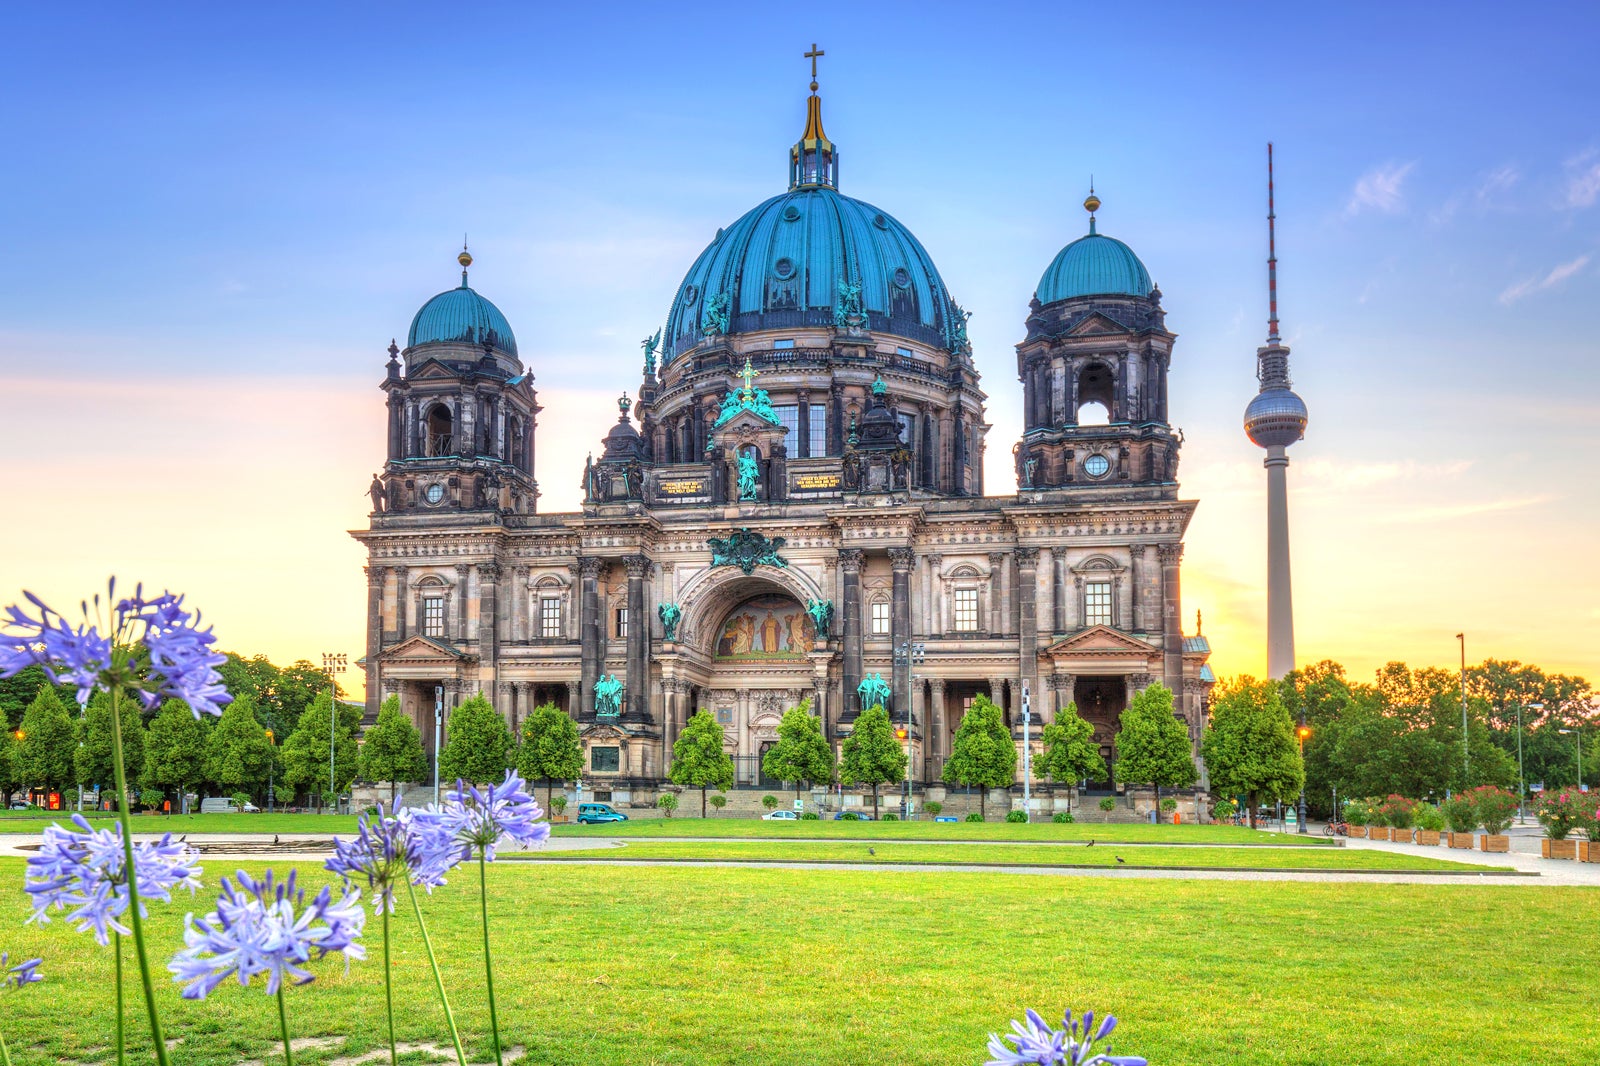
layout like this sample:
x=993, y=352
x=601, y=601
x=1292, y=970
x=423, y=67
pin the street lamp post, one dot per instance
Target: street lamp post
x=1466, y=748
x=1303, y=732
x=1522, y=784
x=1577, y=737
x=909, y=654
x=272, y=758
x=438, y=738
x=333, y=665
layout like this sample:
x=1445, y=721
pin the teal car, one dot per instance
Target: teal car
x=596, y=813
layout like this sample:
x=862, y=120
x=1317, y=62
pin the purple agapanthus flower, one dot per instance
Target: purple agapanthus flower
x=256, y=930
x=23, y=973
x=182, y=663
x=1035, y=1043
x=479, y=820
x=385, y=852
x=84, y=872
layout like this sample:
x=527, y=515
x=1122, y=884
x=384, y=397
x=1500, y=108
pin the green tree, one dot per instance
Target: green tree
x=305, y=752
x=982, y=752
x=1250, y=746
x=719, y=801
x=92, y=760
x=10, y=781
x=802, y=754
x=22, y=688
x=871, y=755
x=49, y=741
x=550, y=750
x=698, y=760
x=238, y=754
x=1070, y=753
x=392, y=749
x=477, y=747
x=1152, y=745
x=175, y=749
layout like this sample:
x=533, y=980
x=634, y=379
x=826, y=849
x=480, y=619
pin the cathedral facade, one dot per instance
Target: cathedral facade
x=793, y=506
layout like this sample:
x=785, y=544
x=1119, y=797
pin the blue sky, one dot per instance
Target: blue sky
x=218, y=217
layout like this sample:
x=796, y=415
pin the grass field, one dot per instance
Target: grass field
x=1028, y=854
x=180, y=824
x=1238, y=836
x=626, y=965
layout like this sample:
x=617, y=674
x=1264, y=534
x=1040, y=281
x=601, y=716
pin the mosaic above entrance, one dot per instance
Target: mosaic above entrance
x=766, y=627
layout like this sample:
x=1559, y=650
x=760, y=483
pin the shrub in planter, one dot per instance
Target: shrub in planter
x=1429, y=822
x=1108, y=805
x=1224, y=810
x=1062, y=818
x=974, y=817
x=1495, y=808
x=1562, y=812
x=1459, y=813
x=1016, y=816
x=933, y=807
x=1396, y=811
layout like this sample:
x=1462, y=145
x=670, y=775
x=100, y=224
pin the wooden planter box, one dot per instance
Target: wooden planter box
x=1428, y=838
x=1558, y=849
x=1494, y=842
x=1358, y=831
x=1589, y=851
x=1460, y=840
x=1402, y=836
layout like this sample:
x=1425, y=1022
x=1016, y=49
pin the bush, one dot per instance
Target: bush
x=1224, y=810
x=1459, y=813
x=810, y=816
x=933, y=807
x=849, y=816
x=1169, y=805
x=1062, y=818
x=769, y=802
x=1016, y=816
x=668, y=802
x=1428, y=817
x=1396, y=811
x=1495, y=808
x=240, y=799
x=719, y=801
x=1562, y=812
x=974, y=817
x=1108, y=805
x=1359, y=812
x=152, y=799
x=558, y=803
x=890, y=816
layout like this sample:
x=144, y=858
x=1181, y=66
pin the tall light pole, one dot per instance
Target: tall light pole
x=1301, y=733
x=333, y=665
x=272, y=758
x=904, y=733
x=1275, y=419
x=910, y=654
x=1577, y=736
x=438, y=738
x=1466, y=748
x=1522, y=784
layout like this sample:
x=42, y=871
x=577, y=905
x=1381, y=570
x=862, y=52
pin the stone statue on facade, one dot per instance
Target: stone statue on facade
x=380, y=496
x=608, y=696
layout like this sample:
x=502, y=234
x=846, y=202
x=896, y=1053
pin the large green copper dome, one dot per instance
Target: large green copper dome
x=461, y=316
x=781, y=264
x=1094, y=265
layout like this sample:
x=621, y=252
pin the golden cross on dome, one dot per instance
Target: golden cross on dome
x=749, y=375
x=812, y=55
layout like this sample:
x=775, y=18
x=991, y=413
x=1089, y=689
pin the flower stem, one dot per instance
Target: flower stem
x=5, y=1052
x=283, y=1027
x=388, y=989
x=438, y=982
x=121, y=1054
x=133, y=881
x=488, y=965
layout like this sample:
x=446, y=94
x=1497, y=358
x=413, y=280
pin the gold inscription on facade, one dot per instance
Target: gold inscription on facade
x=682, y=488
x=816, y=481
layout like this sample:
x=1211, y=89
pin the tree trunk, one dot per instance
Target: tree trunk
x=1158, y=803
x=549, y=785
x=874, y=801
x=702, y=803
x=1251, y=797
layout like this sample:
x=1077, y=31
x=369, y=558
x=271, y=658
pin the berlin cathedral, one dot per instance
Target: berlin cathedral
x=793, y=506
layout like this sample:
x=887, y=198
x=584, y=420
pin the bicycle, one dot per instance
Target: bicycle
x=1336, y=829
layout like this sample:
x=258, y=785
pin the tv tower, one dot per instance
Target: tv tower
x=1275, y=419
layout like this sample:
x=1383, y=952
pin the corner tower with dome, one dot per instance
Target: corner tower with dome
x=790, y=505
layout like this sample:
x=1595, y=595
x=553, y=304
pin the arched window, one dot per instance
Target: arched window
x=1096, y=388
x=1093, y=413
x=441, y=431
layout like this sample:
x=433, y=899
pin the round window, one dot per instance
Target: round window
x=880, y=221
x=435, y=492
x=791, y=213
x=784, y=268
x=902, y=278
x=1097, y=466
x=690, y=294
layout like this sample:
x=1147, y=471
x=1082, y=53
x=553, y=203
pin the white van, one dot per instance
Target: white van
x=223, y=805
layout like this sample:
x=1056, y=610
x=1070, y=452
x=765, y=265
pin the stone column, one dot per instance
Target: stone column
x=934, y=594
x=919, y=727
x=900, y=560
x=1171, y=556
x=638, y=640
x=1136, y=575
x=676, y=692
x=1058, y=590
x=850, y=567
x=997, y=696
x=402, y=602
x=997, y=619
x=1006, y=609
x=488, y=631
x=375, y=582
x=462, y=570
x=519, y=605
x=1066, y=690
x=936, y=718
x=1028, y=617
x=589, y=632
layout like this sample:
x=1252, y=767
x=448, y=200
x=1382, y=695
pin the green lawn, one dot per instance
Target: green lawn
x=1238, y=836
x=626, y=965
x=1028, y=854
x=180, y=824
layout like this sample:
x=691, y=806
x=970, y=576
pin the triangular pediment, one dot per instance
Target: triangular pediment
x=1101, y=640
x=422, y=649
x=432, y=370
x=1096, y=322
x=749, y=419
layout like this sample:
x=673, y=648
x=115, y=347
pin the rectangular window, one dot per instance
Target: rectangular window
x=966, y=610
x=908, y=429
x=433, y=616
x=1097, y=603
x=605, y=760
x=789, y=415
x=622, y=623
x=787, y=342
x=880, y=619
x=907, y=352
x=819, y=430
x=550, y=616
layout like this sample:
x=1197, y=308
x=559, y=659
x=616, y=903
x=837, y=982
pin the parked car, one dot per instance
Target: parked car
x=780, y=816
x=859, y=816
x=595, y=813
x=19, y=805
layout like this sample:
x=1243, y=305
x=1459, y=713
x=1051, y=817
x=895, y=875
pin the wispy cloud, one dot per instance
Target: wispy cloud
x=1487, y=194
x=1380, y=189
x=1583, y=179
x=1536, y=283
x=1460, y=510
